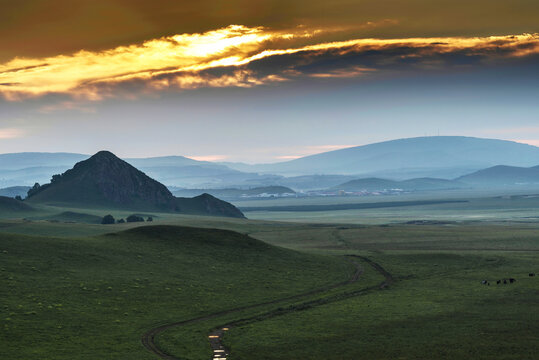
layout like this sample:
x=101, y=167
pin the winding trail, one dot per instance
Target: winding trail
x=215, y=337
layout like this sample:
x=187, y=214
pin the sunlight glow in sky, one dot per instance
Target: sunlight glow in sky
x=10, y=133
x=179, y=61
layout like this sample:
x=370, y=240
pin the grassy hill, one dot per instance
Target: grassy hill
x=72, y=217
x=93, y=297
x=10, y=205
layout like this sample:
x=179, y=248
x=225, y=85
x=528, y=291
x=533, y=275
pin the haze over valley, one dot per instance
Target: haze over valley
x=404, y=165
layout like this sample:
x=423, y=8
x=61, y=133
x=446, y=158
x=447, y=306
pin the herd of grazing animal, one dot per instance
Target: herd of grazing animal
x=504, y=281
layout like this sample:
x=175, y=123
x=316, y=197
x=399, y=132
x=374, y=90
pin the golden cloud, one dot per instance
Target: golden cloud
x=185, y=61
x=179, y=53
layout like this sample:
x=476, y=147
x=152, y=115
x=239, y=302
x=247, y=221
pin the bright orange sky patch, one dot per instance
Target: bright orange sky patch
x=178, y=61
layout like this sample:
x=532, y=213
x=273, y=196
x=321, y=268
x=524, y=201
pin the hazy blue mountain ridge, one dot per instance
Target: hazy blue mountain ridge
x=442, y=157
x=503, y=175
x=423, y=156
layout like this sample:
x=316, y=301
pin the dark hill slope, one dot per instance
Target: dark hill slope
x=207, y=204
x=503, y=176
x=8, y=205
x=74, y=217
x=104, y=180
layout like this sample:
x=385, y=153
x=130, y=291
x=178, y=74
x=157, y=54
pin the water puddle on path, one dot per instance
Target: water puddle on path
x=215, y=338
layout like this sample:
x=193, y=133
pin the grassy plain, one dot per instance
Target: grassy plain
x=437, y=309
x=494, y=206
x=71, y=290
x=93, y=297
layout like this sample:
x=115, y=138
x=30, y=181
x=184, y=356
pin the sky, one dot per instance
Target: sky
x=263, y=81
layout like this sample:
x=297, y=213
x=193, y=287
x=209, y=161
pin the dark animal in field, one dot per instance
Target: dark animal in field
x=484, y=282
x=531, y=274
x=504, y=281
x=498, y=282
x=512, y=280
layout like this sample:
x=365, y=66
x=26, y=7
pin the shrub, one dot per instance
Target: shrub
x=134, y=218
x=55, y=178
x=108, y=219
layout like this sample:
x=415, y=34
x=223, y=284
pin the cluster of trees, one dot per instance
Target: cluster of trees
x=34, y=190
x=109, y=219
x=38, y=188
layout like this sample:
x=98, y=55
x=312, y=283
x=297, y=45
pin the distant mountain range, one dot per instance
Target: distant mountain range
x=440, y=157
x=25, y=169
x=14, y=191
x=445, y=157
x=419, y=184
x=501, y=176
x=106, y=181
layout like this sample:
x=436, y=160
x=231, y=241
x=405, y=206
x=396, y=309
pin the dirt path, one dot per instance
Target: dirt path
x=215, y=337
x=388, y=277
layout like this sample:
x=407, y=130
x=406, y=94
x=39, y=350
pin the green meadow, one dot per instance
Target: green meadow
x=75, y=289
x=93, y=297
x=436, y=309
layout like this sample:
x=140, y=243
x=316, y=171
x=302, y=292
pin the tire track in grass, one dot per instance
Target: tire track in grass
x=220, y=352
x=215, y=338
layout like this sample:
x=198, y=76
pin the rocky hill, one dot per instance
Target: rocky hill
x=106, y=181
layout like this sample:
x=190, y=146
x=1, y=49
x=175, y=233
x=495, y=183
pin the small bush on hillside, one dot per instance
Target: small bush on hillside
x=108, y=219
x=149, y=218
x=55, y=178
x=120, y=221
x=134, y=218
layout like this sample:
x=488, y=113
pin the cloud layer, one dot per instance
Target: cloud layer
x=240, y=56
x=10, y=133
